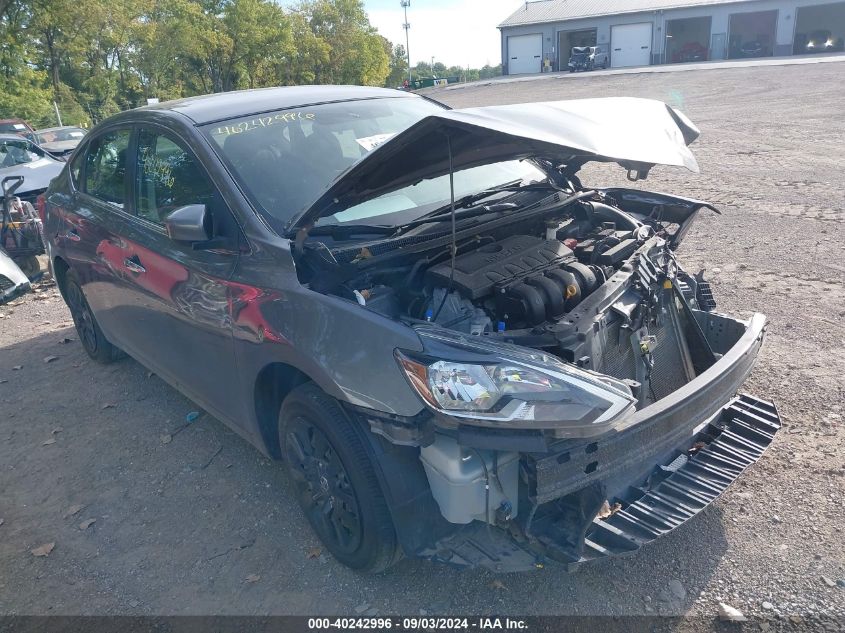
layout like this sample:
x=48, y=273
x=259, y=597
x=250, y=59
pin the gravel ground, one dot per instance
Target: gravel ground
x=192, y=520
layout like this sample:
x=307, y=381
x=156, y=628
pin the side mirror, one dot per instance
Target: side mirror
x=191, y=223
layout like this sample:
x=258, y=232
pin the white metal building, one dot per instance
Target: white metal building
x=539, y=35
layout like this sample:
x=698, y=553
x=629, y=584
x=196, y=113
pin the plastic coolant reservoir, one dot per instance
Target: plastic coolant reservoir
x=457, y=480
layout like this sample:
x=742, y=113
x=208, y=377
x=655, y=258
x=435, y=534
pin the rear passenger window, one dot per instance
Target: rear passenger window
x=105, y=167
x=76, y=168
x=169, y=177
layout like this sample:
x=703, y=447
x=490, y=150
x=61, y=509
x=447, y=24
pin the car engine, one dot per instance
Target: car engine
x=524, y=281
x=527, y=284
x=521, y=279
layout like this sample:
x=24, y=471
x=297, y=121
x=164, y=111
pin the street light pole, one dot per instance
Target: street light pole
x=405, y=4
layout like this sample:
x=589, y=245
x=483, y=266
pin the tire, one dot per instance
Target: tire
x=30, y=266
x=90, y=335
x=335, y=481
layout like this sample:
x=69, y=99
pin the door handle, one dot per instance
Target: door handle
x=134, y=265
x=73, y=236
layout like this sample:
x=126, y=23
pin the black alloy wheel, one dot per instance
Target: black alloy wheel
x=331, y=466
x=322, y=482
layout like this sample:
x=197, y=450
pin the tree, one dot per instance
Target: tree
x=488, y=71
x=355, y=51
x=27, y=95
x=97, y=57
x=398, y=66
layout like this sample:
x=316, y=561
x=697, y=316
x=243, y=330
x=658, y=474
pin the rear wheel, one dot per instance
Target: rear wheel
x=335, y=480
x=90, y=334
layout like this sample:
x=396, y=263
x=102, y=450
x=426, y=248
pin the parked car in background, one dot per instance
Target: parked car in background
x=15, y=126
x=692, y=52
x=59, y=141
x=458, y=350
x=21, y=157
x=823, y=41
x=13, y=281
x=753, y=49
x=584, y=58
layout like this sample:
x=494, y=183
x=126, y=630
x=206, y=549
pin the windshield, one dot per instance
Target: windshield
x=56, y=136
x=14, y=128
x=287, y=158
x=434, y=192
x=18, y=152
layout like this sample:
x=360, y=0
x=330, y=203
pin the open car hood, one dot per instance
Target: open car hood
x=636, y=133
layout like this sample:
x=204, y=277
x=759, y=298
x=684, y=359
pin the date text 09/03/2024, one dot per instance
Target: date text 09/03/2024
x=418, y=623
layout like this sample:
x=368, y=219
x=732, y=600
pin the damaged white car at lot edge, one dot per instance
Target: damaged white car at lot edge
x=12, y=280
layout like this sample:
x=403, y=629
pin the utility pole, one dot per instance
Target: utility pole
x=407, y=25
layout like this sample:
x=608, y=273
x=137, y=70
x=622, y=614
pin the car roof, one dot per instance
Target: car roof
x=61, y=127
x=225, y=105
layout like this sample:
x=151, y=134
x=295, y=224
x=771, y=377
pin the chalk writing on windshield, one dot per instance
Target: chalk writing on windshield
x=255, y=123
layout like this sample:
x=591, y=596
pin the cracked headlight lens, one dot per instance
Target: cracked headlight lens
x=518, y=395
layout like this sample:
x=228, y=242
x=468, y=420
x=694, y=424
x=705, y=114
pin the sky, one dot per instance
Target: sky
x=456, y=32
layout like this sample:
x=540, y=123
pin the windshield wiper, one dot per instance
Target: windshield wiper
x=467, y=204
x=345, y=231
x=443, y=212
x=472, y=212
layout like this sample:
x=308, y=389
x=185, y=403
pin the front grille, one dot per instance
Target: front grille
x=619, y=358
x=669, y=372
x=6, y=283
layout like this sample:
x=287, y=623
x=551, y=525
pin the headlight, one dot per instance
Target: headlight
x=518, y=394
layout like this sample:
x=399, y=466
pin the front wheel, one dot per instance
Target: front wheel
x=335, y=480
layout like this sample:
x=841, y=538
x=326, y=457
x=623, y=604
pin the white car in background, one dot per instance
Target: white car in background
x=13, y=282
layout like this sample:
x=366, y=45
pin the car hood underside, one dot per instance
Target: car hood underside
x=636, y=133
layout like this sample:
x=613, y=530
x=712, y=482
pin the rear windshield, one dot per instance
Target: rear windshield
x=14, y=128
x=285, y=159
x=56, y=136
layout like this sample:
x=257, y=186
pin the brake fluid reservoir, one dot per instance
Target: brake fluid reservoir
x=457, y=479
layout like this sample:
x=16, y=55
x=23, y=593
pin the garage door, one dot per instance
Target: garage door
x=525, y=54
x=630, y=45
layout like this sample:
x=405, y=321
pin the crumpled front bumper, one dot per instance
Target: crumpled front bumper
x=676, y=492
x=672, y=494
x=670, y=462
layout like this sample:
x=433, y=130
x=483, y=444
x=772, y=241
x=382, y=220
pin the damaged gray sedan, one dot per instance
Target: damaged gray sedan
x=459, y=350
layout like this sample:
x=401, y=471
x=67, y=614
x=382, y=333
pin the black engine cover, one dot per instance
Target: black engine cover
x=514, y=257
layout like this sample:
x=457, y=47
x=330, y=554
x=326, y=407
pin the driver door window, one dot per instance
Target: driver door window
x=168, y=177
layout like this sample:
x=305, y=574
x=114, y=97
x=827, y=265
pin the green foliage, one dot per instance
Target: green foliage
x=26, y=95
x=98, y=57
x=398, y=66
